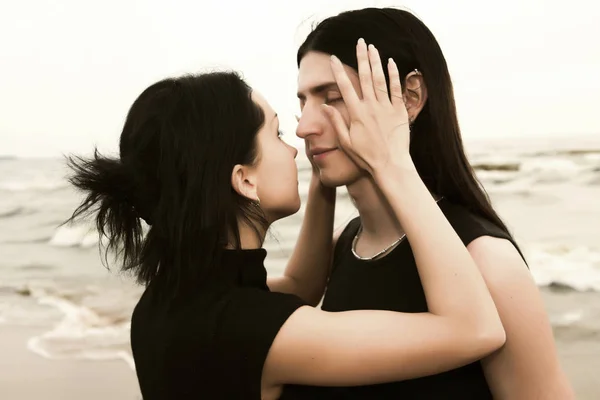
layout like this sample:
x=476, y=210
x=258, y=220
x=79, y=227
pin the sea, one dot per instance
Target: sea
x=547, y=190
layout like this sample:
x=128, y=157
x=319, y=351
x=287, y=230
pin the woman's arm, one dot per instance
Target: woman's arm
x=315, y=347
x=308, y=269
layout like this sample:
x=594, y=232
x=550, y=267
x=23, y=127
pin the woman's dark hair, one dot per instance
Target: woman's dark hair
x=179, y=144
x=436, y=145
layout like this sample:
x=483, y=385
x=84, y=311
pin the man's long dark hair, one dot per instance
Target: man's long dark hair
x=436, y=146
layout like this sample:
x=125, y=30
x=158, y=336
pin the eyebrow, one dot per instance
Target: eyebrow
x=324, y=87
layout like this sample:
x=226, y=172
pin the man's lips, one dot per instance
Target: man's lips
x=318, y=151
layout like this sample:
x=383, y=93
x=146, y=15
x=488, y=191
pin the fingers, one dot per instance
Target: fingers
x=395, y=86
x=339, y=124
x=346, y=89
x=364, y=70
x=379, y=83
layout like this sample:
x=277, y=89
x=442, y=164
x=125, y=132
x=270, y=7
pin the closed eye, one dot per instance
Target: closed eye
x=333, y=100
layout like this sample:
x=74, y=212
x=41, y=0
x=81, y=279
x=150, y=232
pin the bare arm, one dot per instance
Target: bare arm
x=527, y=366
x=367, y=347
x=308, y=268
x=445, y=266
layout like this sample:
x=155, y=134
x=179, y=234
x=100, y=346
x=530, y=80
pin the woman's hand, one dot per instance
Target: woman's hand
x=379, y=133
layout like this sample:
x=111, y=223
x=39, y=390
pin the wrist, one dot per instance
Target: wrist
x=394, y=169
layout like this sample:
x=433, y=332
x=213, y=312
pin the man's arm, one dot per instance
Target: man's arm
x=527, y=366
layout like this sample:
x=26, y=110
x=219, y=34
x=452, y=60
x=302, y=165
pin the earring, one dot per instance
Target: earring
x=417, y=72
x=257, y=202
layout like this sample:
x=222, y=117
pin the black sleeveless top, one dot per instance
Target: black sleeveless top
x=392, y=283
x=214, y=344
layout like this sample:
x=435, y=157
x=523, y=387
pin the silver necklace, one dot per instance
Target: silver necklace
x=377, y=254
x=353, y=247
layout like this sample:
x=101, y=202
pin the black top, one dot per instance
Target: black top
x=392, y=283
x=213, y=345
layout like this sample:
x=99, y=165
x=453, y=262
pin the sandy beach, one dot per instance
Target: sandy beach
x=26, y=376
x=578, y=348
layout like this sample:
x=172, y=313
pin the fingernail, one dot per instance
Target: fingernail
x=371, y=47
x=391, y=60
x=361, y=41
x=334, y=59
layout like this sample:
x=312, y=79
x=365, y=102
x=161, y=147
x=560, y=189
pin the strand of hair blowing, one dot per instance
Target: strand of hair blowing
x=109, y=186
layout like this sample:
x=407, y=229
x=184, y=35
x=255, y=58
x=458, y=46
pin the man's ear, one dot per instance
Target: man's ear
x=415, y=94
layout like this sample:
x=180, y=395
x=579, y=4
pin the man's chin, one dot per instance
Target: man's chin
x=332, y=182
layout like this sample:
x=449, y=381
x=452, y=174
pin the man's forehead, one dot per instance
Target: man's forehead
x=314, y=70
x=317, y=76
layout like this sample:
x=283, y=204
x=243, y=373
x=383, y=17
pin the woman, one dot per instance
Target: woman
x=202, y=162
x=373, y=266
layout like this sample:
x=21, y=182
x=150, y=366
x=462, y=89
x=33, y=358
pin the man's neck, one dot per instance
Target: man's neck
x=377, y=218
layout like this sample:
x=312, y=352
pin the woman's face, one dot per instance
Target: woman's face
x=275, y=173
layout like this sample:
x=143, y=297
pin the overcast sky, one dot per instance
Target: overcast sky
x=70, y=69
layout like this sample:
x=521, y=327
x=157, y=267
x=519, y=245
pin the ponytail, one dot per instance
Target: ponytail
x=109, y=193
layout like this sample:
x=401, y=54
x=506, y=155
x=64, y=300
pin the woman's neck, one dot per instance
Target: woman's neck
x=249, y=237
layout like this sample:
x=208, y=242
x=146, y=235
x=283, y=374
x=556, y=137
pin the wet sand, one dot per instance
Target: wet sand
x=27, y=376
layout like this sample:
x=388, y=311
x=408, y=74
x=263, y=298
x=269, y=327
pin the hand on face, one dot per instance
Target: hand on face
x=379, y=131
x=315, y=169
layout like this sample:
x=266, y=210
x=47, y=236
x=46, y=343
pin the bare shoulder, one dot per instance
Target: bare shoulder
x=497, y=256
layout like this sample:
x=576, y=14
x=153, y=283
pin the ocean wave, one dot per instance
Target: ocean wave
x=13, y=212
x=42, y=239
x=89, y=321
x=74, y=235
x=552, y=170
x=535, y=172
x=566, y=319
x=567, y=152
x=36, y=267
x=93, y=322
x=500, y=165
x=83, y=334
x=33, y=185
x=576, y=268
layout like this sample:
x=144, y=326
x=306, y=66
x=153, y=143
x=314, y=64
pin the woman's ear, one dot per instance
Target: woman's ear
x=243, y=181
